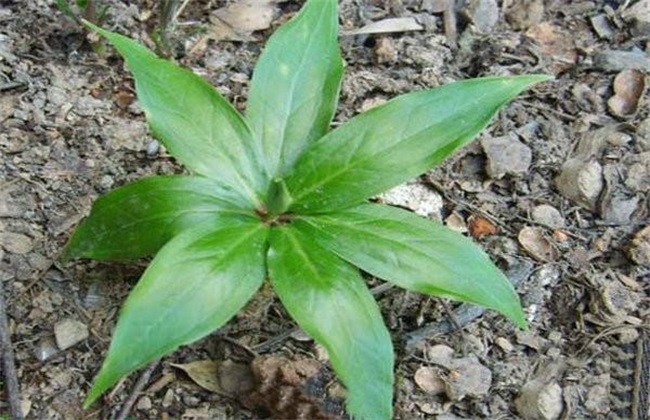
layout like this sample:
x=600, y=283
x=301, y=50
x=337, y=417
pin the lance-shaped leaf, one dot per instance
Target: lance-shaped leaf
x=196, y=283
x=328, y=298
x=416, y=254
x=136, y=220
x=296, y=84
x=394, y=142
x=194, y=122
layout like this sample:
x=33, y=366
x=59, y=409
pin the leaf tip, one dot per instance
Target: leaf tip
x=92, y=396
x=65, y=257
x=71, y=250
x=543, y=77
x=102, y=382
x=531, y=79
x=517, y=316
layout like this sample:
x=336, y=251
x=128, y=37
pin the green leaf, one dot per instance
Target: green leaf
x=66, y=9
x=329, y=300
x=196, y=283
x=279, y=199
x=138, y=219
x=296, y=84
x=396, y=141
x=194, y=122
x=416, y=254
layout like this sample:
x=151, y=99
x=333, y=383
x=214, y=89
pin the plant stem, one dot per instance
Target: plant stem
x=279, y=198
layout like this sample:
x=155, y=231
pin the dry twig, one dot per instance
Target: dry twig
x=8, y=366
x=465, y=312
x=143, y=380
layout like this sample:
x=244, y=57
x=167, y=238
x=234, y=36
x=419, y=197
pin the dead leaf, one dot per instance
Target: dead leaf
x=639, y=250
x=480, y=227
x=236, y=22
x=554, y=43
x=235, y=378
x=403, y=24
x=203, y=372
x=629, y=86
x=124, y=98
x=560, y=236
x=536, y=244
x=456, y=223
x=429, y=380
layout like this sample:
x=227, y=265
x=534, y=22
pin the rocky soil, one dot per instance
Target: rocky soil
x=555, y=190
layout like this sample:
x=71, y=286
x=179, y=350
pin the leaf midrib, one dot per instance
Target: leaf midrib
x=353, y=227
x=355, y=163
x=290, y=106
x=334, y=302
x=253, y=230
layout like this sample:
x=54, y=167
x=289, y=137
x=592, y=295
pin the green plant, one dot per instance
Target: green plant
x=88, y=10
x=83, y=9
x=278, y=195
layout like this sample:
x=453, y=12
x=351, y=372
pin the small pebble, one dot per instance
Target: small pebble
x=629, y=87
x=638, y=15
x=554, y=352
x=16, y=243
x=602, y=27
x=581, y=182
x=554, y=336
x=301, y=335
x=504, y=344
x=617, y=138
x=523, y=14
x=548, y=216
x=506, y=156
x=417, y=197
x=638, y=175
x=467, y=377
x=152, y=148
x=69, y=332
x=430, y=407
x=484, y=14
x=429, y=380
x=168, y=399
x=45, y=349
x=456, y=223
x=440, y=354
x=540, y=400
x=546, y=275
x=106, y=182
x=144, y=403
x=613, y=60
x=385, y=50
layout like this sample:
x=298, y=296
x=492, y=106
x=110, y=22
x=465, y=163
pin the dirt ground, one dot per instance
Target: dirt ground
x=555, y=190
